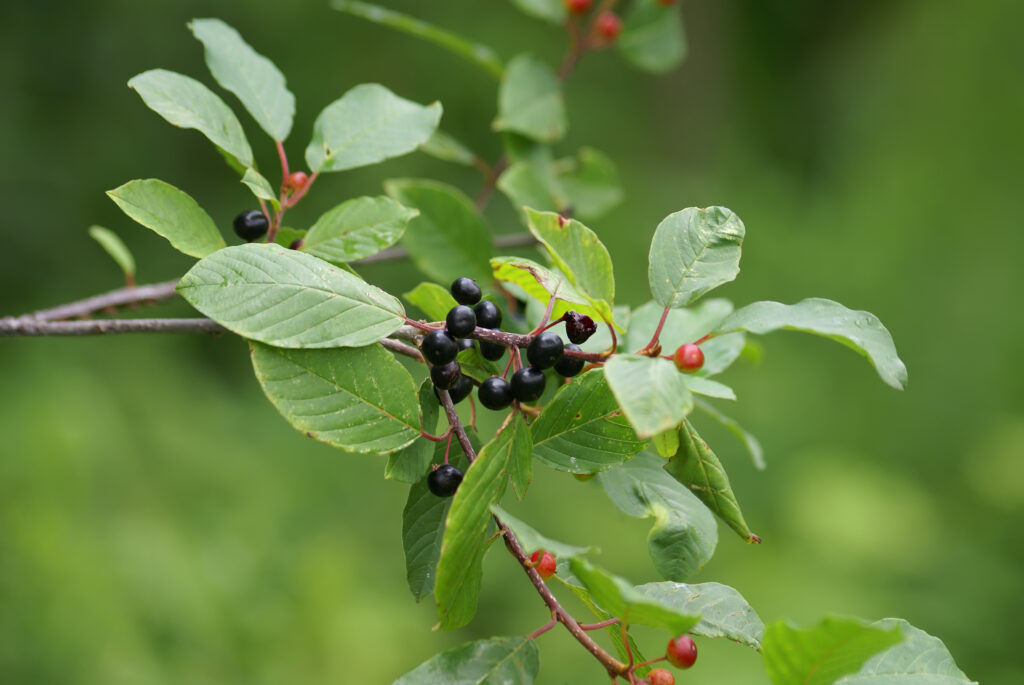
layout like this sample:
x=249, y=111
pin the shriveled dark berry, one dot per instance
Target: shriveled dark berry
x=491, y=351
x=487, y=314
x=544, y=350
x=464, y=344
x=495, y=393
x=444, y=480
x=296, y=244
x=465, y=291
x=460, y=321
x=528, y=384
x=579, y=327
x=462, y=388
x=445, y=376
x=569, y=366
x=439, y=347
x=251, y=225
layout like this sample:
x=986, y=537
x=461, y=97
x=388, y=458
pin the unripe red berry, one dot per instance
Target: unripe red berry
x=577, y=6
x=609, y=25
x=661, y=676
x=681, y=651
x=298, y=179
x=688, y=358
x=544, y=562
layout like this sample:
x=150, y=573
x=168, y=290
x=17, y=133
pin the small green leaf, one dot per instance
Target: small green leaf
x=684, y=533
x=286, y=236
x=705, y=386
x=409, y=465
x=687, y=325
x=260, y=187
x=520, y=459
x=577, y=252
x=357, y=399
x=187, y=103
x=693, y=251
x=919, y=660
x=666, y=443
x=367, y=125
x=249, y=75
x=652, y=37
x=530, y=101
x=724, y=612
x=357, y=228
x=541, y=283
x=823, y=654
x=531, y=541
x=422, y=529
x=432, y=300
x=591, y=183
x=170, y=212
x=551, y=11
x=449, y=238
x=114, y=247
x=746, y=439
x=532, y=183
x=860, y=331
x=289, y=299
x=651, y=391
x=499, y=660
x=442, y=146
x=581, y=430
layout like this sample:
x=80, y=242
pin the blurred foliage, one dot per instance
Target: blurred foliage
x=160, y=524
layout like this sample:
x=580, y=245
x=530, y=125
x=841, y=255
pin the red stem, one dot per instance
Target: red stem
x=602, y=624
x=284, y=163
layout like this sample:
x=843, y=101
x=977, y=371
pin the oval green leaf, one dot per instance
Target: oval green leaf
x=541, y=283
x=577, y=252
x=170, y=212
x=824, y=653
x=531, y=540
x=115, y=247
x=688, y=325
x=530, y=101
x=723, y=611
x=652, y=37
x=653, y=394
x=919, y=660
x=512, y=660
x=260, y=187
x=357, y=228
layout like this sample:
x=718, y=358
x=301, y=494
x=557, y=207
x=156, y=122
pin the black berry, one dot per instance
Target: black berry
x=578, y=328
x=528, y=384
x=491, y=351
x=487, y=314
x=495, y=393
x=460, y=321
x=439, y=347
x=251, y=225
x=462, y=388
x=544, y=350
x=569, y=366
x=465, y=291
x=464, y=344
x=444, y=480
x=445, y=376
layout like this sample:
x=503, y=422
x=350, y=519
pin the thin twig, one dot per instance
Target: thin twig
x=402, y=348
x=114, y=298
x=12, y=328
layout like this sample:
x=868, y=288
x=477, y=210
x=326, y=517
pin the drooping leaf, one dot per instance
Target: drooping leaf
x=581, y=430
x=115, y=247
x=357, y=228
x=822, y=654
x=442, y=146
x=367, y=125
x=249, y=75
x=289, y=299
x=577, y=252
x=688, y=325
x=860, y=331
x=511, y=660
x=260, y=187
x=693, y=251
x=541, y=283
x=748, y=441
x=684, y=533
x=551, y=11
x=530, y=101
x=652, y=36
x=531, y=541
x=723, y=611
x=449, y=238
x=410, y=464
x=919, y=660
x=170, y=212
x=431, y=299
x=187, y=103
x=651, y=391
x=699, y=469
x=591, y=183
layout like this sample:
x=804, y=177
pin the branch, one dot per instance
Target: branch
x=411, y=332
x=115, y=298
x=402, y=348
x=24, y=327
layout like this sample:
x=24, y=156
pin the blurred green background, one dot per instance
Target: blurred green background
x=159, y=523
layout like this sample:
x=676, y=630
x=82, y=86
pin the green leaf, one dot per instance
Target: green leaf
x=666, y=443
x=821, y=655
x=860, y=331
x=432, y=300
x=367, y=125
x=286, y=236
x=699, y=469
x=465, y=534
x=652, y=37
x=684, y=533
x=480, y=55
x=114, y=247
x=479, y=369
x=693, y=251
x=622, y=600
x=357, y=399
x=248, y=74
x=410, y=464
x=499, y=660
x=700, y=385
x=919, y=659
x=170, y=212
x=652, y=393
x=687, y=325
x=746, y=439
x=449, y=238
x=289, y=299
x=532, y=183
x=530, y=101
x=442, y=146
x=531, y=541
x=187, y=103
x=724, y=612
x=541, y=283
x=422, y=529
x=591, y=183
x=357, y=228
x=521, y=459
x=260, y=187
x=581, y=430
x=577, y=252
x=551, y=11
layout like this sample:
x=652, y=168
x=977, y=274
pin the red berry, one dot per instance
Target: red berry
x=688, y=358
x=609, y=25
x=298, y=179
x=577, y=6
x=660, y=676
x=681, y=651
x=544, y=562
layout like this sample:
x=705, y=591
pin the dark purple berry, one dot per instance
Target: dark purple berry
x=544, y=350
x=444, y=480
x=491, y=351
x=569, y=366
x=439, y=347
x=465, y=291
x=579, y=328
x=528, y=384
x=462, y=388
x=251, y=225
x=495, y=393
x=464, y=344
x=445, y=376
x=460, y=321
x=487, y=315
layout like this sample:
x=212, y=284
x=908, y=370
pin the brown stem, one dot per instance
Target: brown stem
x=115, y=298
x=12, y=328
x=652, y=348
x=402, y=348
x=602, y=624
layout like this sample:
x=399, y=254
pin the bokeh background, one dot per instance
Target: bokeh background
x=159, y=523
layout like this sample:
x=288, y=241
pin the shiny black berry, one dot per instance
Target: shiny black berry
x=528, y=384
x=569, y=366
x=579, y=328
x=544, y=350
x=251, y=225
x=465, y=291
x=495, y=393
x=439, y=347
x=445, y=376
x=462, y=388
x=464, y=344
x=487, y=315
x=491, y=351
x=444, y=480
x=460, y=321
